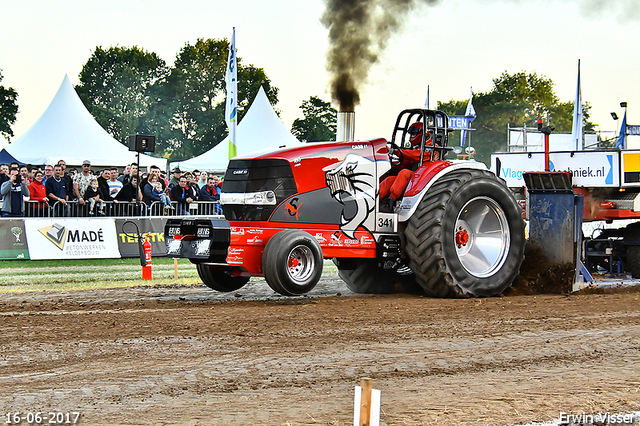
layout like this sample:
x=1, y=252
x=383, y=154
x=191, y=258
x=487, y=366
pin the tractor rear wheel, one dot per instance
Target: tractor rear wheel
x=466, y=237
x=292, y=262
x=363, y=276
x=220, y=279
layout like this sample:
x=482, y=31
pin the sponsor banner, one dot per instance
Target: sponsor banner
x=587, y=168
x=61, y=238
x=631, y=168
x=128, y=243
x=633, y=130
x=459, y=123
x=13, y=239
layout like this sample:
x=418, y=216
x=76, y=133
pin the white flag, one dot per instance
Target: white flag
x=470, y=114
x=231, y=107
x=426, y=102
x=471, y=111
x=576, y=130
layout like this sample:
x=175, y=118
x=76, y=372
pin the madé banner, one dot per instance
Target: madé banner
x=59, y=238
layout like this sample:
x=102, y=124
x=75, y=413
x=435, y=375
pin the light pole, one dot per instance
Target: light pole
x=615, y=117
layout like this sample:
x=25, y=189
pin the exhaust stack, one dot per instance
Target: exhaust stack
x=346, y=128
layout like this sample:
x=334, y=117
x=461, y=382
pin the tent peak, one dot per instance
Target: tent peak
x=66, y=129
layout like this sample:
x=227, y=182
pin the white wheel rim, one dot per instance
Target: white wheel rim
x=300, y=264
x=482, y=237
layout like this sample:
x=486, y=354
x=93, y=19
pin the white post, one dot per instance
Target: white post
x=366, y=404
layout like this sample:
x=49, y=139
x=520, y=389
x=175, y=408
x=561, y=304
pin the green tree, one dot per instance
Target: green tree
x=117, y=85
x=196, y=90
x=8, y=109
x=319, y=122
x=130, y=90
x=515, y=100
x=158, y=120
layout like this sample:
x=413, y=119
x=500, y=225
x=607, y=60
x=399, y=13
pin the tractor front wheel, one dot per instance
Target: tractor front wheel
x=292, y=262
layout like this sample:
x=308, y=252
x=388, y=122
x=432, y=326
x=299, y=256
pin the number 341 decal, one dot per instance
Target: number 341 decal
x=385, y=223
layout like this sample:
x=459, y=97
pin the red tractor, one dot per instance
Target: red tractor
x=458, y=227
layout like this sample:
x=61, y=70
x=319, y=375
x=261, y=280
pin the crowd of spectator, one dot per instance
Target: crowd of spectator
x=49, y=190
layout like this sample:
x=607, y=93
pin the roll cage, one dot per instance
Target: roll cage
x=434, y=122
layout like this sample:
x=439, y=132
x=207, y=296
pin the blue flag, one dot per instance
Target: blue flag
x=622, y=138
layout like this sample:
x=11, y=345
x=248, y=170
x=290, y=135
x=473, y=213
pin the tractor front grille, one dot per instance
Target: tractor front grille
x=251, y=176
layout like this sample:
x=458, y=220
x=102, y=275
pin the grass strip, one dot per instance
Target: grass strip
x=98, y=276
x=63, y=270
x=84, y=263
x=19, y=276
x=97, y=285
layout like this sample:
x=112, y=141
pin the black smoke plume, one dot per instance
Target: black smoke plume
x=358, y=33
x=360, y=29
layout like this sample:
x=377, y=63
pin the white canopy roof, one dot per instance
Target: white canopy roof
x=67, y=131
x=260, y=129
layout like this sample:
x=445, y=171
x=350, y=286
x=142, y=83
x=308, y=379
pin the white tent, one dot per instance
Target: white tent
x=67, y=131
x=260, y=129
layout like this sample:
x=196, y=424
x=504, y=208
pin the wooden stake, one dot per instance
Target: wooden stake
x=175, y=268
x=365, y=402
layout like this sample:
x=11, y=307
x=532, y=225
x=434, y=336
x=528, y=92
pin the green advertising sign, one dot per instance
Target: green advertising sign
x=13, y=239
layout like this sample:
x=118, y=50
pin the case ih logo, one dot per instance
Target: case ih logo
x=353, y=180
x=241, y=172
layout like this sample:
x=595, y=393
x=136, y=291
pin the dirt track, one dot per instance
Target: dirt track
x=178, y=356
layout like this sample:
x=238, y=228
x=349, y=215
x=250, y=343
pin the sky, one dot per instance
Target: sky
x=449, y=46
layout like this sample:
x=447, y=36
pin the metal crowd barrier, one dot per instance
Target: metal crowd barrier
x=120, y=209
x=36, y=209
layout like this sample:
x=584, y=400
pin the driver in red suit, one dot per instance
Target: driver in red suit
x=394, y=186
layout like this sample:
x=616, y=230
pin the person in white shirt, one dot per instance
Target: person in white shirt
x=114, y=184
x=202, y=179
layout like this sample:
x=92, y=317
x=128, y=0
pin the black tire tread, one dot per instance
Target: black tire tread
x=272, y=262
x=367, y=278
x=631, y=239
x=633, y=261
x=219, y=279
